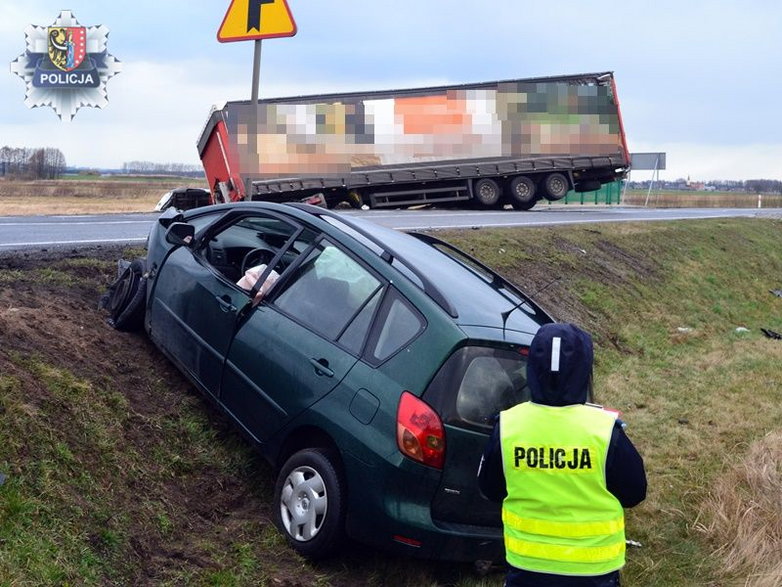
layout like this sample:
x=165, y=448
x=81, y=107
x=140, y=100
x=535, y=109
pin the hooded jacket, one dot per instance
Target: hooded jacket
x=559, y=366
x=568, y=383
x=559, y=373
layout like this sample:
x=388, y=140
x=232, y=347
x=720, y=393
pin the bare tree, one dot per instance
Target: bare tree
x=24, y=163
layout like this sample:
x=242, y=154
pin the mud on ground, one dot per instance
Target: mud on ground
x=179, y=511
x=49, y=314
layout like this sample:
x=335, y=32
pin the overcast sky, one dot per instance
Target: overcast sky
x=699, y=80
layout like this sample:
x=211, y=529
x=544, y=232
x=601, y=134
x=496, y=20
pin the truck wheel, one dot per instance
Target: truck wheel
x=521, y=190
x=486, y=192
x=588, y=185
x=524, y=206
x=555, y=186
x=309, y=502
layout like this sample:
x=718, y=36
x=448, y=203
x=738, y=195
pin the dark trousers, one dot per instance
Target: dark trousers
x=519, y=578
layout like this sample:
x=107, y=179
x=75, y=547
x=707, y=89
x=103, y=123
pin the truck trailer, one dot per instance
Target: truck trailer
x=488, y=144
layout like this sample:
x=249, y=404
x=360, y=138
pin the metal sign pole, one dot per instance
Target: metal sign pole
x=252, y=132
x=651, y=183
x=256, y=71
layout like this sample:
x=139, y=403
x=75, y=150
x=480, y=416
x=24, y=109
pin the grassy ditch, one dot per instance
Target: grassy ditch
x=118, y=473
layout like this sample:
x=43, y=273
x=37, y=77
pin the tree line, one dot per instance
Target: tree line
x=752, y=186
x=152, y=168
x=27, y=163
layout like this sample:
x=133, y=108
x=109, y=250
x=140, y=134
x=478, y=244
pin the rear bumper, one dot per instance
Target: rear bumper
x=394, y=514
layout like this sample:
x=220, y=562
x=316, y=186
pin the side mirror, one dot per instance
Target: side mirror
x=180, y=233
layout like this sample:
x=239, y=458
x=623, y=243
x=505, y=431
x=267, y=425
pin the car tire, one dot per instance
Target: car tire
x=126, y=298
x=555, y=186
x=309, y=502
x=486, y=192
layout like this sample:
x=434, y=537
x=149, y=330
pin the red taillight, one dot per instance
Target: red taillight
x=419, y=431
x=407, y=541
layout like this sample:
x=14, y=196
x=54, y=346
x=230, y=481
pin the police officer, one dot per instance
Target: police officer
x=563, y=471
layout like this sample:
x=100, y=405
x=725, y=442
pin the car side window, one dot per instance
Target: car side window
x=328, y=292
x=399, y=324
x=242, y=250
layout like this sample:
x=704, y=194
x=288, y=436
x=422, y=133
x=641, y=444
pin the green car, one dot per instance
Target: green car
x=366, y=364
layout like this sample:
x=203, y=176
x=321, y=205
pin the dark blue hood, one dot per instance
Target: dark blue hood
x=559, y=370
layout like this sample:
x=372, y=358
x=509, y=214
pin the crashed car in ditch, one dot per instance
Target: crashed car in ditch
x=369, y=373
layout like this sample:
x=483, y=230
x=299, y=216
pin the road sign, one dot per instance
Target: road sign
x=248, y=20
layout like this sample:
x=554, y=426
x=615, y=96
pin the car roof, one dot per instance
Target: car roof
x=470, y=293
x=473, y=294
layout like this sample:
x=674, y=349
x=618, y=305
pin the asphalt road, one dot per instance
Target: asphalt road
x=22, y=232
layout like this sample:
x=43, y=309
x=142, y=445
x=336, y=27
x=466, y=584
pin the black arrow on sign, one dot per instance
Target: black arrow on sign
x=254, y=14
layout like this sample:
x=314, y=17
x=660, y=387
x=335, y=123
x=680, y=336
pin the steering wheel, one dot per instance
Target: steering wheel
x=256, y=257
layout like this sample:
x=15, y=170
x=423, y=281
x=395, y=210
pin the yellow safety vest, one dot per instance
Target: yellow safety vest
x=559, y=516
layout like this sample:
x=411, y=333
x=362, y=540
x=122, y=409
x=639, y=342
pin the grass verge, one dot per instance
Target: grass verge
x=119, y=474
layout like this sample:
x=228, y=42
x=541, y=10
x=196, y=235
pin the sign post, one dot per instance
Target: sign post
x=255, y=20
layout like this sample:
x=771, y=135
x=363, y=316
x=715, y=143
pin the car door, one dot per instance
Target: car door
x=299, y=343
x=197, y=301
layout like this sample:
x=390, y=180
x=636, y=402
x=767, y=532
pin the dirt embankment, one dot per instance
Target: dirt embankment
x=122, y=464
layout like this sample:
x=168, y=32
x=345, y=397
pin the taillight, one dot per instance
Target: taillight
x=419, y=431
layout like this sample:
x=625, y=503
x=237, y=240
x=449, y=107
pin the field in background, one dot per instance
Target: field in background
x=86, y=195
x=683, y=199
x=122, y=194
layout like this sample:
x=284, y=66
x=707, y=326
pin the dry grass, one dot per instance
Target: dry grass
x=96, y=196
x=742, y=516
x=679, y=199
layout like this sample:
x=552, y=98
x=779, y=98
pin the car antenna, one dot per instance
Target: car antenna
x=506, y=314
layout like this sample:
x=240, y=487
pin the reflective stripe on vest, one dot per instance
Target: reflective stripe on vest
x=559, y=516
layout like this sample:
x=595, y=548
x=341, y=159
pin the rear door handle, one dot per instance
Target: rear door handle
x=225, y=303
x=321, y=367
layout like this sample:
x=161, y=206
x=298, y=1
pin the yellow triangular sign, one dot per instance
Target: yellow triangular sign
x=256, y=19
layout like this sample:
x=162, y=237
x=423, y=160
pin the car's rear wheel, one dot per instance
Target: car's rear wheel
x=309, y=502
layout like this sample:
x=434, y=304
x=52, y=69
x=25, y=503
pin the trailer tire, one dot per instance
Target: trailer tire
x=125, y=300
x=555, y=186
x=588, y=185
x=523, y=206
x=521, y=191
x=486, y=192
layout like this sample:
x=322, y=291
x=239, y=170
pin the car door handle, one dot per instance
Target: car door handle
x=321, y=367
x=225, y=303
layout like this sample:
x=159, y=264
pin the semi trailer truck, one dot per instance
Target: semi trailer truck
x=485, y=144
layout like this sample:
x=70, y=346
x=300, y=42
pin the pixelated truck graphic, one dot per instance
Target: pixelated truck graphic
x=493, y=143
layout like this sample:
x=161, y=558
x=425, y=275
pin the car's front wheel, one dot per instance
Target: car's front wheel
x=309, y=501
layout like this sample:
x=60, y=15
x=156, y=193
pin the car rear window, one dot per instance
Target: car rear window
x=476, y=383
